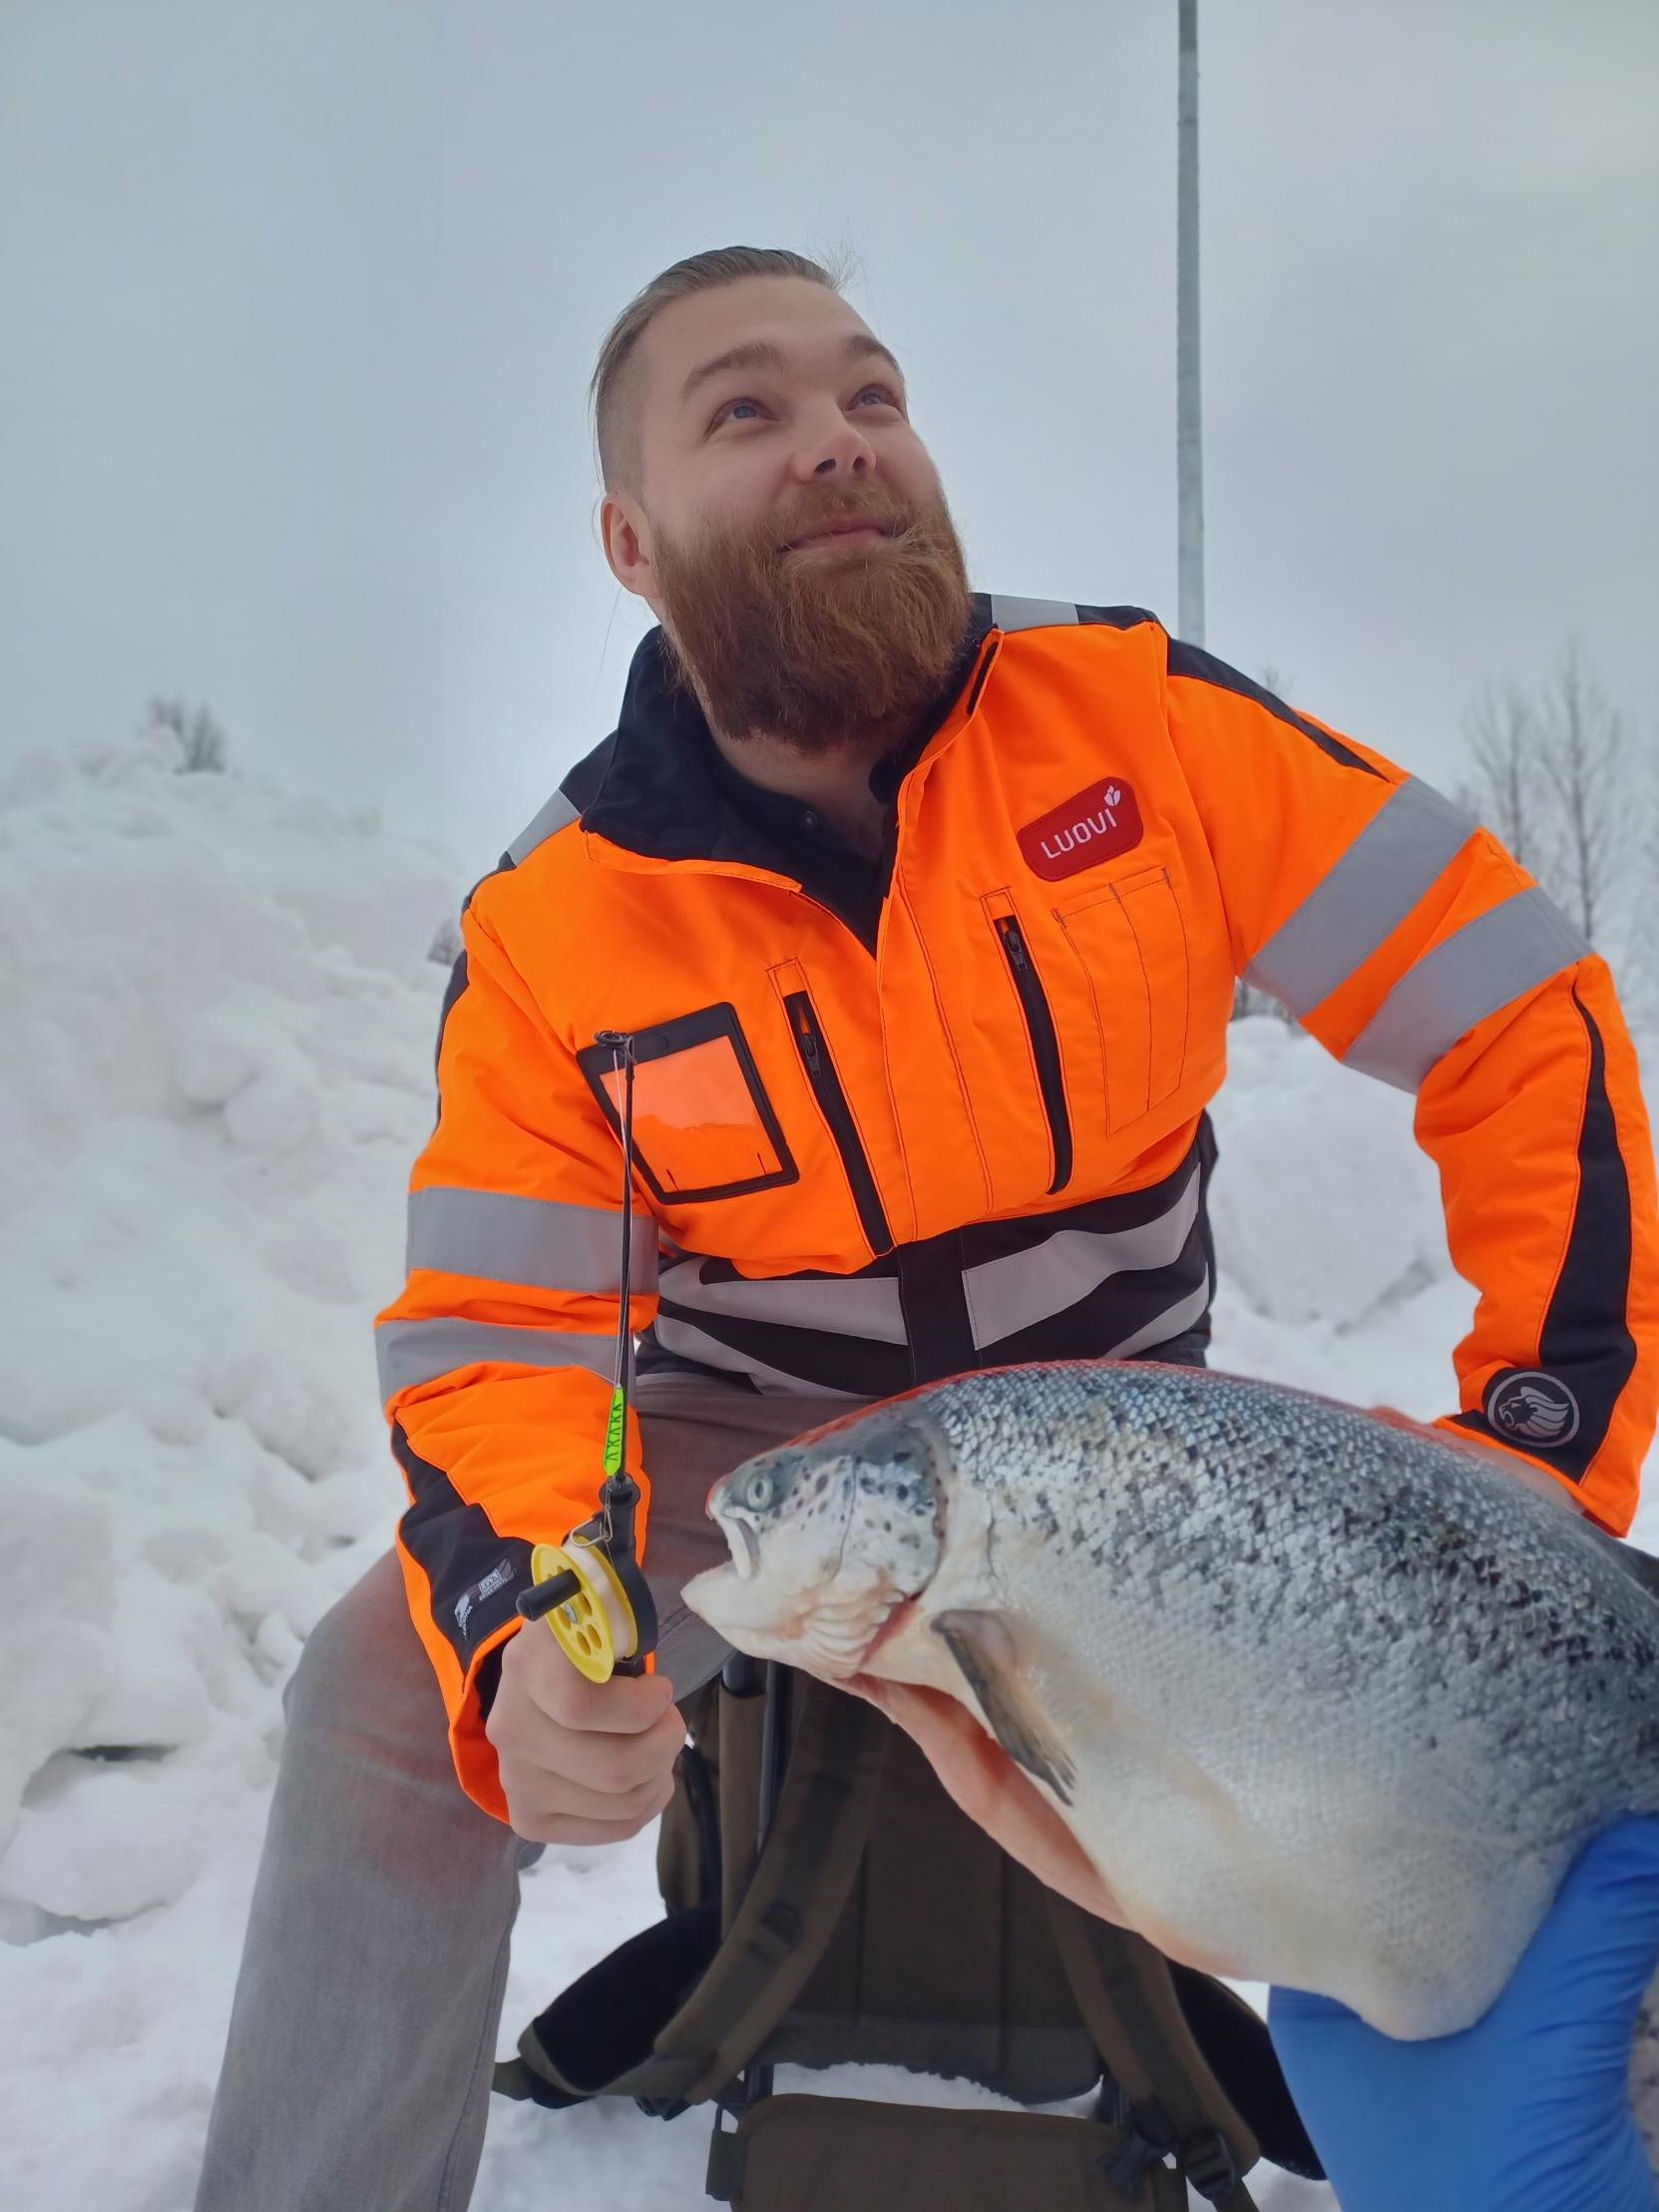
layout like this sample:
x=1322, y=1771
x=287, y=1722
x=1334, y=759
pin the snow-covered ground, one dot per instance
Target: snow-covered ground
x=219, y=1019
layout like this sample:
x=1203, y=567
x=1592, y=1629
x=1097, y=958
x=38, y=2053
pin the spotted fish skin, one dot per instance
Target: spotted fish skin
x=1335, y=1703
x=1388, y=1655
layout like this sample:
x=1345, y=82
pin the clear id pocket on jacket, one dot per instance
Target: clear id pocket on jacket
x=703, y=1126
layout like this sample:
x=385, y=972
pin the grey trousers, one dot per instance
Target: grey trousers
x=362, y=2037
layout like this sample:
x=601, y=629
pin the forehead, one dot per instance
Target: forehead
x=798, y=328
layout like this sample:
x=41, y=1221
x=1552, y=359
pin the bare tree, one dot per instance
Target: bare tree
x=1584, y=762
x=200, y=740
x=1553, y=782
x=1508, y=794
x=1639, y=981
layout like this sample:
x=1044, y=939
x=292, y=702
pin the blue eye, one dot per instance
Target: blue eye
x=747, y=402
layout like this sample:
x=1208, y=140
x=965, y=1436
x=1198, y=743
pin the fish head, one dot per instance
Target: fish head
x=831, y=1536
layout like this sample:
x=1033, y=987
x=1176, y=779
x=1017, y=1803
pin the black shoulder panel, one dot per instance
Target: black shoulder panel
x=1193, y=660
x=1116, y=618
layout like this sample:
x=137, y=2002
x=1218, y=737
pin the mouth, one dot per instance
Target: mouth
x=840, y=534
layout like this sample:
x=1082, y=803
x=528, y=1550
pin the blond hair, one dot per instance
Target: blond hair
x=617, y=387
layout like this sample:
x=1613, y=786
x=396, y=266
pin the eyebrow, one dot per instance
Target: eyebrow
x=762, y=353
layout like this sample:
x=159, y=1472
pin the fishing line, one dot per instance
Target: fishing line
x=592, y=1588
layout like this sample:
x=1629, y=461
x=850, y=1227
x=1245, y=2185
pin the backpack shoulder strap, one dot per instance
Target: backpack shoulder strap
x=790, y=1910
x=1127, y=1999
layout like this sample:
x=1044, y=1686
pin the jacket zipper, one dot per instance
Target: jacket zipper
x=1045, y=1046
x=826, y=1089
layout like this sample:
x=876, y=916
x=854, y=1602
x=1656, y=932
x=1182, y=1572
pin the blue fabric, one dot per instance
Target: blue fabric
x=1529, y=2107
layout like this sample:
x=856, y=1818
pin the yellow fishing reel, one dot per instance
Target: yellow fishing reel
x=592, y=1591
x=594, y=1624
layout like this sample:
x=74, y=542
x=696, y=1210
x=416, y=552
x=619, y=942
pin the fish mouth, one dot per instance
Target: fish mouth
x=743, y=1545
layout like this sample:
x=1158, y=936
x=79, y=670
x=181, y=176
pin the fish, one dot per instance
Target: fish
x=1304, y=1694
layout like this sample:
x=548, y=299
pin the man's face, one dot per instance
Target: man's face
x=827, y=647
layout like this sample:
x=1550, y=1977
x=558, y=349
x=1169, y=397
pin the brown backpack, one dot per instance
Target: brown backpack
x=878, y=1923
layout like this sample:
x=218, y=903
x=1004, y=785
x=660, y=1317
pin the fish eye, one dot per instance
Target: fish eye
x=760, y=1490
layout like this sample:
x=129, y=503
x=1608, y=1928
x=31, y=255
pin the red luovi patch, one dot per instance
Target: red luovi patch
x=1100, y=822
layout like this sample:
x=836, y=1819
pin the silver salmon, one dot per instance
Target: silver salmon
x=1325, y=1700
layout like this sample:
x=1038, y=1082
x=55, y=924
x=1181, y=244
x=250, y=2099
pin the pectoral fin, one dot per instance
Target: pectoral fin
x=983, y=1649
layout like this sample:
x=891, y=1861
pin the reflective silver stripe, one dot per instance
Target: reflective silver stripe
x=1358, y=903
x=691, y=1344
x=1480, y=967
x=869, y=1309
x=1022, y=1288
x=1012, y=612
x=419, y=1351
x=1185, y=1314
x=508, y=1239
x=554, y=816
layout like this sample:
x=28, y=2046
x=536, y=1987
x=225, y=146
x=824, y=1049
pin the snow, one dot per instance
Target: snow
x=219, y=1019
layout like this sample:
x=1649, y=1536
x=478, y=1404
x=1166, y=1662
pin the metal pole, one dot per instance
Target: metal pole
x=1190, y=450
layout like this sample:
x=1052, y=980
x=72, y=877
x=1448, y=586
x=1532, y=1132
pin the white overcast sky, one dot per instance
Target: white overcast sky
x=299, y=300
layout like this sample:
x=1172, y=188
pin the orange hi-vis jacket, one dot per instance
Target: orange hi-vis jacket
x=968, y=1127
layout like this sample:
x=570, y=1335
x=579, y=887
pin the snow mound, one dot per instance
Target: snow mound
x=220, y=1021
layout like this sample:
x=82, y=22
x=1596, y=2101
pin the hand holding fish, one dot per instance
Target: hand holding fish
x=1531, y=2105
x=992, y=1790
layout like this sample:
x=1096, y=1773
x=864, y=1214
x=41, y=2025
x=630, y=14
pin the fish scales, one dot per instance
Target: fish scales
x=1275, y=1587
x=1326, y=1700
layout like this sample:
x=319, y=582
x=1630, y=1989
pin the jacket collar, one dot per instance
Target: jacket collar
x=658, y=785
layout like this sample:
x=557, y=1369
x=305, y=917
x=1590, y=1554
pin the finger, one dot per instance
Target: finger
x=620, y=1762
x=529, y=1790
x=564, y=1829
x=624, y=1705
x=606, y=1762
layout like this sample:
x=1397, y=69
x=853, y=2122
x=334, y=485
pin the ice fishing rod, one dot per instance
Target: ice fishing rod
x=590, y=1588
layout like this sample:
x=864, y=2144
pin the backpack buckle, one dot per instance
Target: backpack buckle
x=1206, y=2160
x=725, y=2160
x=663, y=2108
x=1147, y=2137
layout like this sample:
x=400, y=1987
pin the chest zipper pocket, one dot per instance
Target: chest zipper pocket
x=832, y=1101
x=1040, y=1029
